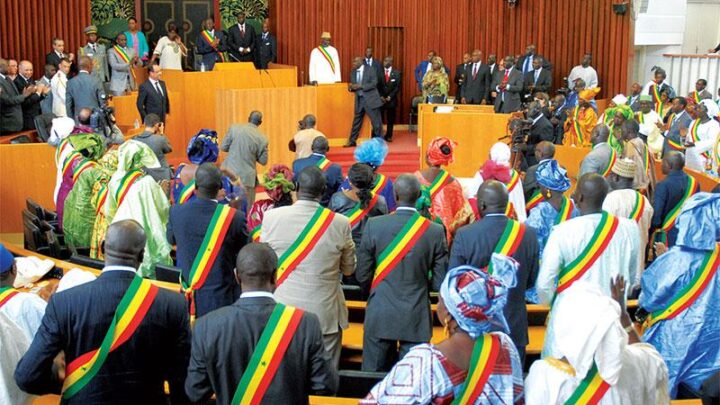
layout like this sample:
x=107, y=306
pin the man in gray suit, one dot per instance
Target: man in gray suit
x=678, y=121
x=507, y=87
x=97, y=53
x=398, y=309
x=83, y=90
x=122, y=79
x=11, y=116
x=246, y=146
x=598, y=159
x=363, y=82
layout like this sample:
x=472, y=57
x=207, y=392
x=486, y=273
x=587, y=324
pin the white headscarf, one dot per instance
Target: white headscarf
x=713, y=109
x=500, y=153
x=587, y=330
x=619, y=99
x=61, y=129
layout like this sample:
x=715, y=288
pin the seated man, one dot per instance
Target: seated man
x=231, y=345
x=153, y=347
x=332, y=171
x=594, y=347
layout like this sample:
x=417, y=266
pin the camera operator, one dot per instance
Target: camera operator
x=102, y=121
x=540, y=130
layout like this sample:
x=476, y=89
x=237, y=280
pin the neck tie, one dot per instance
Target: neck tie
x=507, y=73
x=242, y=31
x=157, y=87
x=475, y=70
x=537, y=74
x=387, y=75
x=526, y=68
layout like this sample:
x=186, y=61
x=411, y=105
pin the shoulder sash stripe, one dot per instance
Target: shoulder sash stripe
x=323, y=164
x=611, y=163
x=566, y=210
x=482, y=363
x=441, y=180
x=357, y=214
x=534, y=200
x=84, y=165
x=669, y=222
x=509, y=240
x=125, y=184
x=187, y=192
x=591, y=389
x=638, y=208
x=381, y=181
x=255, y=233
x=400, y=246
x=328, y=58
x=122, y=54
x=305, y=242
x=5, y=294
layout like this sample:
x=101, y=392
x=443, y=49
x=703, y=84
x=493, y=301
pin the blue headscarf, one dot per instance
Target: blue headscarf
x=550, y=175
x=698, y=224
x=203, y=147
x=6, y=259
x=476, y=299
x=372, y=152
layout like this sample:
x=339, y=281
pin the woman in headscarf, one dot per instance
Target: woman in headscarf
x=106, y=167
x=606, y=118
x=471, y=309
x=435, y=83
x=620, y=114
x=134, y=195
x=600, y=346
x=581, y=120
x=278, y=186
x=373, y=154
x=498, y=168
x=685, y=327
x=359, y=203
x=203, y=148
x=441, y=190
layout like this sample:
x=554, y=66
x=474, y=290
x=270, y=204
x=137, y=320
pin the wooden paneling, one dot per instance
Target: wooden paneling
x=562, y=30
x=28, y=27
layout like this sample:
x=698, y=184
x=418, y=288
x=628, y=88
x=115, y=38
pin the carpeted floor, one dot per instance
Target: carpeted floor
x=404, y=155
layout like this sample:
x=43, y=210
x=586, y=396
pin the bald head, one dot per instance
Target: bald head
x=311, y=184
x=86, y=64
x=309, y=121
x=600, y=134
x=492, y=198
x=545, y=150
x=407, y=190
x=591, y=191
x=255, y=267
x=124, y=243
x=673, y=161
x=208, y=180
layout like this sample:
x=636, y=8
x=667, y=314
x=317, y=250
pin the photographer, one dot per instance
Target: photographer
x=102, y=121
x=540, y=129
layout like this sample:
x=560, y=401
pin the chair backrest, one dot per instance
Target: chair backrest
x=437, y=99
x=169, y=274
x=356, y=384
x=87, y=262
x=352, y=293
x=32, y=238
x=43, y=124
x=20, y=139
x=39, y=210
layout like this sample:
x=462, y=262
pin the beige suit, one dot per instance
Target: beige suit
x=315, y=284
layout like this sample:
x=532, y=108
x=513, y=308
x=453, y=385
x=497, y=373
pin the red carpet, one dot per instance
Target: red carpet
x=404, y=155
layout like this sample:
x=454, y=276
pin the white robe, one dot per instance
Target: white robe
x=320, y=70
x=58, y=86
x=650, y=129
x=708, y=134
x=515, y=196
x=13, y=345
x=587, y=74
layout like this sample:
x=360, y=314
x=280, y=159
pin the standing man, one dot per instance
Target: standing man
x=390, y=86
x=246, y=147
x=324, y=63
x=600, y=159
x=634, y=99
x=524, y=63
x=422, y=68
x=31, y=105
x=476, y=88
x=122, y=59
x=46, y=81
x=83, y=90
x=700, y=140
x=508, y=87
x=155, y=344
x=315, y=248
x=154, y=137
x=153, y=95
x=537, y=80
x=241, y=40
x=475, y=244
x=671, y=193
x=677, y=124
x=373, y=63
x=363, y=82
x=461, y=74
x=58, y=86
x=266, y=47
x=585, y=72
x=700, y=92
x=58, y=53
x=332, y=171
x=398, y=309
x=207, y=274
x=658, y=85
x=541, y=130
x=11, y=115
x=650, y=125
x=210, y=45
x=97, y=53
x=226, y=343
x=303, y=139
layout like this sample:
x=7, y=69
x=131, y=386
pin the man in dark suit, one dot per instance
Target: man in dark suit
x=422, y=68
x=188, y=225
x=11, y=114
x=210, y=44
x=83, y=90
x=241, y=40
x=558, y=114
x=541, y=130
x=524, y=63
x=508, y=85
x=78, y=320
x=153, y=95
x=224, y=342
x=494, y=71
x=390, y=85
x=398, y=309
x=634, y=97
x=537, y=80
x=363, y=82
x=669, y=192
x=681, y=120
x=543, y=151
x=266, y=47
x=461, y=74
x=58, y=54
x=333, y=172
x=475, y=243
x=374, y=64
x=477, y=83
x=31, y=105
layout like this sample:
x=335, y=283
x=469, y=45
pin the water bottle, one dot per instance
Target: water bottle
x=202, y=66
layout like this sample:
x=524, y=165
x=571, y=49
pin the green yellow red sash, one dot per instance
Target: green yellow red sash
x=509, y=240
x=594, y=249
x=255, y=233
x=358, y=213
x=129, y=314
x=640, y=117
x=660, y=109
x=441, y=180
x=327, y=56
x=691, y=292
x=514, y=180
x=323, y=164
x=696, y=96
x=566, y=210
x=655, y=93
x=122, y=54
x=187, y=192
x=125, y=183
x=638, y=208
x=669, y=221
x=510, y=211
x=591, y=389
x=482, y=363
x=675, y=145
x=534, y=200
x=100, y=198
x=400, y=246
x=208, y=37
x=207, y=253
x=576, y=125
x=65, y=143
x=304, y=243
x=6, y=293
x=381, y=181
x=267, y=355
x=611, y=163
x=694, y=127
x=81, y=167
x=67, y=166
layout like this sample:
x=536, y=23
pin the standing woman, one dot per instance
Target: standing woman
x=444, y=192
x=436, y=82
x=136, y=40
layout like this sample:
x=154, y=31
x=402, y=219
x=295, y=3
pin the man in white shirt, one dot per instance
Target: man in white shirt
x=170, y=50
x=302, y=141
x=585, y=72
x=324, y=63
x=701, y=137
x=651, y=125
x=58, y=85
